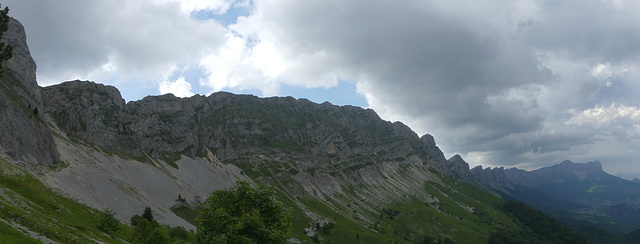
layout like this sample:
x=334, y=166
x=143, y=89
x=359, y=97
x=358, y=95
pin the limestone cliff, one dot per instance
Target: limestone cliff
x=231, y=125
x=459, y=168
x=24, y=134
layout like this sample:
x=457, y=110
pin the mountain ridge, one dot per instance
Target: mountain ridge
x=579, y=194
x=200, y=116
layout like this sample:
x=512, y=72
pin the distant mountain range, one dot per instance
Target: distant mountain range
x=581, y=195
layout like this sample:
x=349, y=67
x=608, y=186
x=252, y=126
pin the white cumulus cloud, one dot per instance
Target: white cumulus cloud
x=600, y=116
x=179, y=87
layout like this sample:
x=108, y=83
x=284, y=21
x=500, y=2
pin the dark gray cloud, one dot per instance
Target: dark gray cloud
x=494, y=80
x=456, y=71
x=72, y=31
x=587, y=30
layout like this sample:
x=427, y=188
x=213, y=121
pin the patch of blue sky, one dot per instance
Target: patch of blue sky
x=227, y=18
x=343, y=94
x=194, y=73
x=134, y=91
x=243, y=91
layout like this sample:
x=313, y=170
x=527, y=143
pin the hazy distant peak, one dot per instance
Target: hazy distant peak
x=567, y=162
x=594, y=166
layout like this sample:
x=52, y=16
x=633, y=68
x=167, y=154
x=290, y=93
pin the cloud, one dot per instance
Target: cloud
x=430, y=62
x=179, y=88
x=600, y=116
x=120, y=41
x=491, y=78
x=500, y=82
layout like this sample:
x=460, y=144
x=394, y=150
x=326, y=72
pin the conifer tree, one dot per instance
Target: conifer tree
x=6, y=50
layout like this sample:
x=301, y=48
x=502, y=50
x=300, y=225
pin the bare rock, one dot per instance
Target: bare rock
x=25, y=135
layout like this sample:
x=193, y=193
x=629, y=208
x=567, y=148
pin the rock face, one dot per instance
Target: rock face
x=459, y=168
x=231, y=125
x=25, y=135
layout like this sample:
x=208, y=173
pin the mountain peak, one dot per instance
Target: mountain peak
x=456, y=158
x=428, y=140
x=567, y=162
x=636, y=180
x=459, y=167
x=594, y=166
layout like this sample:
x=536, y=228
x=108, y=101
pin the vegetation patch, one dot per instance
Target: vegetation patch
x=11, y=235
x=187, y=212
x=345, y=230
x=171, y=159
x=25, y=201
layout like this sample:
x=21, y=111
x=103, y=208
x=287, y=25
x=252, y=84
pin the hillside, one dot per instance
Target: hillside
x=581, y=195
x=347, y=175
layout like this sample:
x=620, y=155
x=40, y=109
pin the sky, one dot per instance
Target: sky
x=513, y=83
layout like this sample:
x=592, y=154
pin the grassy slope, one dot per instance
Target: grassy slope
x=10, y=235
x=414, y=219
x=25, y=201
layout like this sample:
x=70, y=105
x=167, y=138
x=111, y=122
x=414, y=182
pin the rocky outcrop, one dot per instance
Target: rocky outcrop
x=25, y=135
x=459, y=168
x=85, y=110
x=231, y=125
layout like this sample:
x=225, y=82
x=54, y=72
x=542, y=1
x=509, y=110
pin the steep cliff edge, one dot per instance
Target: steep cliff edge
x=231, y=125
x=25, y=135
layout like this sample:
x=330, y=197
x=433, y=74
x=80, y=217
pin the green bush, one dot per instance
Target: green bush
x=243, y=214
x=108, y=223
